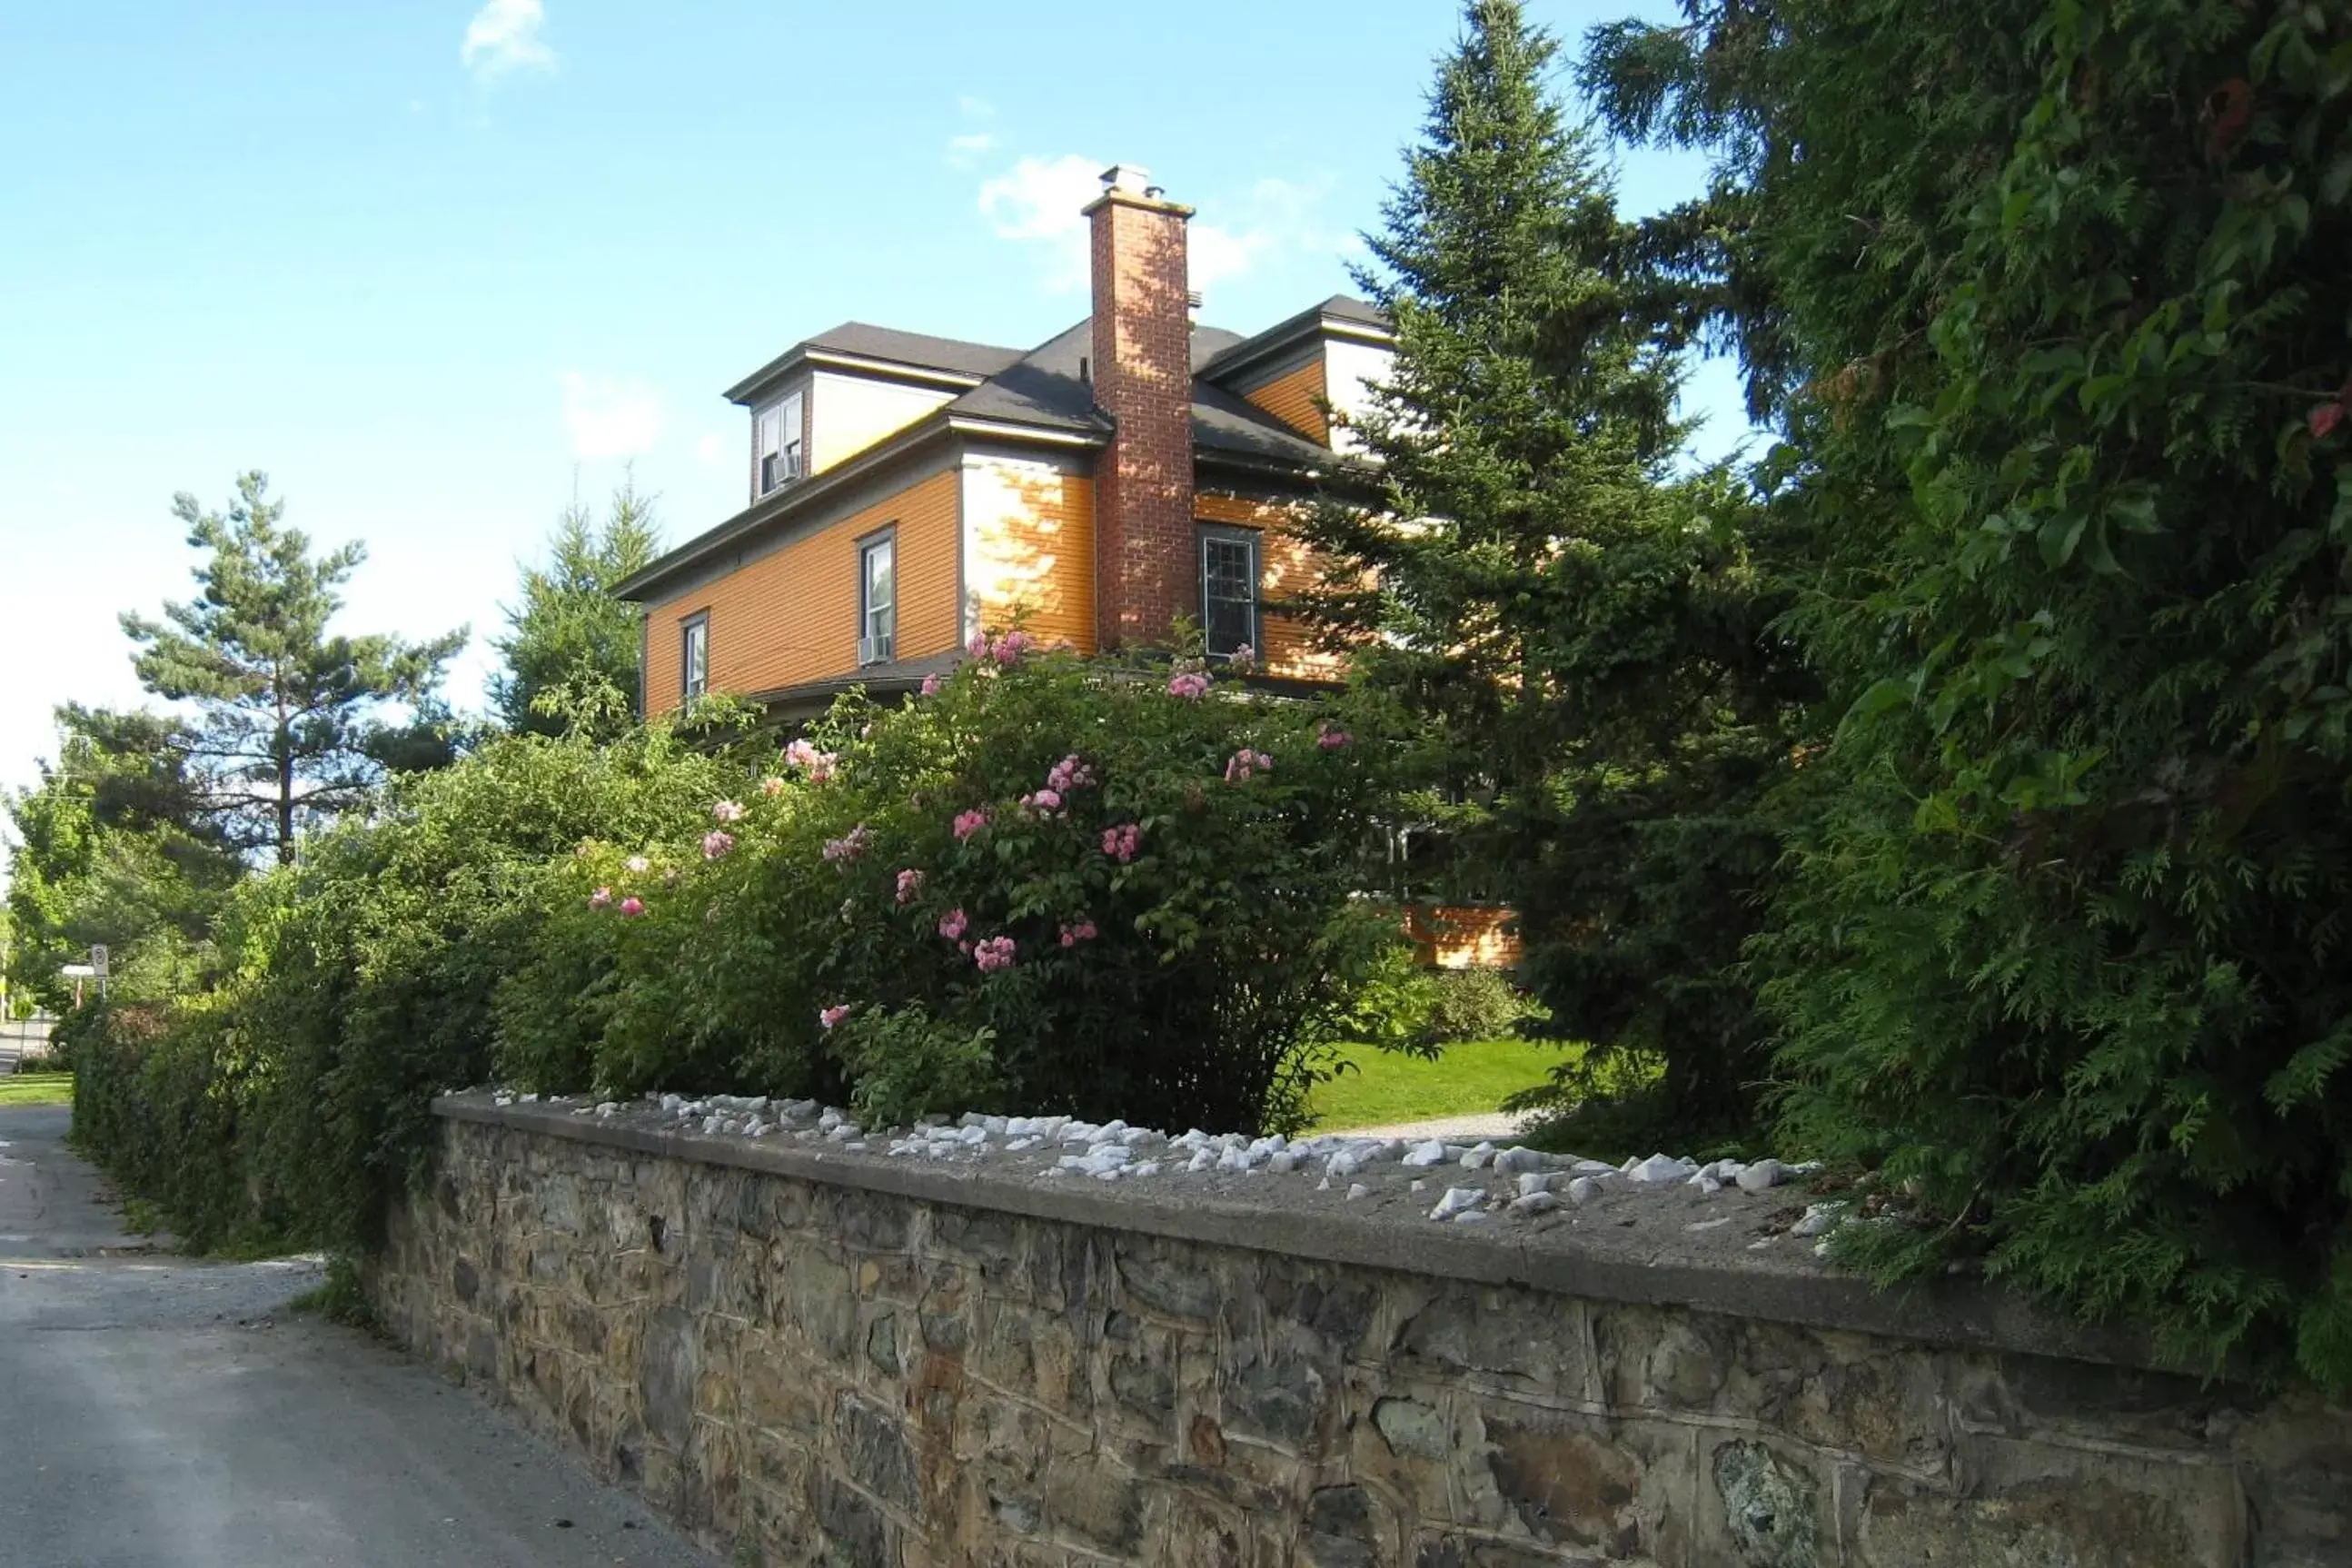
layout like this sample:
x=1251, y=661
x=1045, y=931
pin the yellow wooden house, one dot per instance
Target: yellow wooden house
x=906, y=491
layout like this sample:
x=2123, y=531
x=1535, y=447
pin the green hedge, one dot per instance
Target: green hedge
x=1050, y=884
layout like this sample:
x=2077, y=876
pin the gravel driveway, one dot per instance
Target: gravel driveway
x=157, y=1412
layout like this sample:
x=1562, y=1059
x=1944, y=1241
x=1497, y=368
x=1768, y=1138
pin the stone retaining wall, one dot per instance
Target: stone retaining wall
x=806, y=1358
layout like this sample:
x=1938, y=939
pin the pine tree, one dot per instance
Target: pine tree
x=296, y=724
x=572, y=648
x=1577, y=627
x=2050, y=302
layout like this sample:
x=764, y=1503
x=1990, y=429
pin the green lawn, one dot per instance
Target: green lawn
x=37, y=1088
x=1467, y=1080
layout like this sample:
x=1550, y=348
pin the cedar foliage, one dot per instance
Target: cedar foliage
x=1579, y=630
x=2049, y=299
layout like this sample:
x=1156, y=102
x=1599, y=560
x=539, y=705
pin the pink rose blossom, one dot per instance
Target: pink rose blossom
x=727, y=810
x=1074, y=934
x=633, y=907
x=910, y=885
x=1189, y=683
x=993, y=953
x=638, y=865
x=848, y=846
x=953, y=924
x=1011, y=646
x=1242, y=657
x=1244, y=762
x=833, y=1015
x=772, y=786
x=931, y=684
x=818, y=764
x=1071, y=772
x=968, y=822
x=1331, y=737
x=1045, y=802
x=1120, y=842
x=978, y=646
x=601, y=898
x=717, y=843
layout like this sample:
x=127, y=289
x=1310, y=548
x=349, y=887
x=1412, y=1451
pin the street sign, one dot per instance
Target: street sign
x=98, y=960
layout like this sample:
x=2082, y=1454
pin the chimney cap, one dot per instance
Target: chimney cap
x=1125, y=177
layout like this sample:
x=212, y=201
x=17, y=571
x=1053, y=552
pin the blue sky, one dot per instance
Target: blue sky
x=432, y=264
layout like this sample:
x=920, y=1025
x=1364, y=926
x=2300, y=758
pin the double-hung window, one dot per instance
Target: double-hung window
x=779, y=428
x=694, y=658
x=1229, y=576
x=878, y=600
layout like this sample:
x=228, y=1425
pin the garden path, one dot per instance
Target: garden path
x=163, y=1412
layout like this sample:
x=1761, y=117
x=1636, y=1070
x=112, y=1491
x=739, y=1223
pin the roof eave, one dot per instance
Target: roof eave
x=937, y=426
x=1316, y=321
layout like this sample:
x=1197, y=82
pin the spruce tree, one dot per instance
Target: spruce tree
x=1577, y=629
x=294, y=723
x=572, y=648
x=2050, y=300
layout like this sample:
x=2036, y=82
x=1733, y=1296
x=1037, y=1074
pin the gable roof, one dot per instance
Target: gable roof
x=1043, y=389
x=950, y=358
x=1006, y=391
x=1341, y=315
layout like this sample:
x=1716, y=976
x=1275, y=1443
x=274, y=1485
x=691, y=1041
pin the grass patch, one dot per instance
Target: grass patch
x=37, y=1088
x=1376, y=1087
x=338, y=1297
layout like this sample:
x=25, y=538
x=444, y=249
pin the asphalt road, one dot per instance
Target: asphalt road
x=157, y=1412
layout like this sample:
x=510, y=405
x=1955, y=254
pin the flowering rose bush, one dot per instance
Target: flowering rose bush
x=1057, y=861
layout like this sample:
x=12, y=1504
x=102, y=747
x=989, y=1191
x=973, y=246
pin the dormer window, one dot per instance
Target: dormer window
x=779, y=427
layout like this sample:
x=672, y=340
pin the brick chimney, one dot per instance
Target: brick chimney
x=1145, y=575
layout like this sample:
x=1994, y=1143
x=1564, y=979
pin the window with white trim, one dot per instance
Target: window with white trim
x=1229, y=577
x=778, y=427
x=878, y=600
x=694, y=658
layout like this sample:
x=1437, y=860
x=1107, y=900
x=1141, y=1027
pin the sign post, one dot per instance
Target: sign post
x=98, y=967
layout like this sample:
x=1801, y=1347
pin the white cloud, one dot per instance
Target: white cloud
x=965, y=150
x=610, y=418
x=1039, y=203
x=710, y=450
x=504, y=36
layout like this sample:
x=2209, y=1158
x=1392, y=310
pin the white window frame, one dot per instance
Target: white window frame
x=1247, y=538
x=877, y=624
x=778, y=452
x=694, y=656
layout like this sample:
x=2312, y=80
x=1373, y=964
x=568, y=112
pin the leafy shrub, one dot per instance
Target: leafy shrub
x=1135, y=887
x=908, y=1062
x=291, y=1098
x=1473, y=1005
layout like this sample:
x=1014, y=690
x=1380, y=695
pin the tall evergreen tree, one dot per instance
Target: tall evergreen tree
x=2049, y=296
x=1578, y=628
x=296, y=723
x=570, y=647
